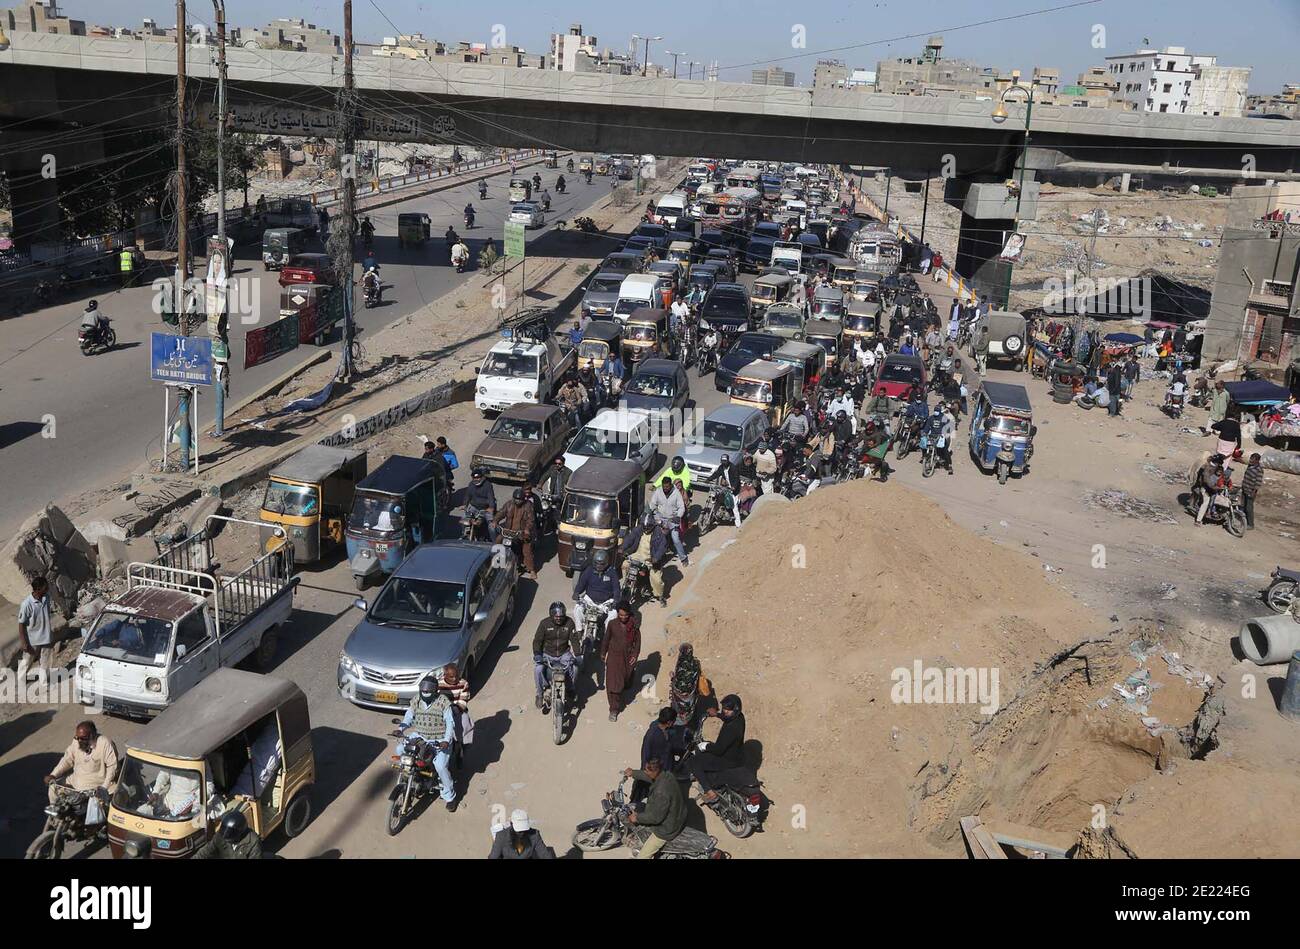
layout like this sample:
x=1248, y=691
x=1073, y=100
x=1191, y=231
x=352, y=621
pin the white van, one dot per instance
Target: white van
x=620, y=434
x=670, y=208
x=638, y=290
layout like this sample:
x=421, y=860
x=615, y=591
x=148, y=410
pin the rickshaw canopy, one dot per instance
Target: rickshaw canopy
x=604, y=477
x=315, y=463
x=398, y=475
x=1006, y=397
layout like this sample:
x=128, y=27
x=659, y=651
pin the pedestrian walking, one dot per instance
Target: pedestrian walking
x=619, y=651
x=35, y=631
x=1251, y=482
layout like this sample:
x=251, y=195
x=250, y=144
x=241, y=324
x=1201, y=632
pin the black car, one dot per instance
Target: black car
x=726, y=308
x=622, y=262
x=659, y=387
x=657, y=233
x=767, y=229
x=713, y=237
x=747, y=348
x=757, y=255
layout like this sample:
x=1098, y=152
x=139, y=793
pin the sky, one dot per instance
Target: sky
x=746, y=34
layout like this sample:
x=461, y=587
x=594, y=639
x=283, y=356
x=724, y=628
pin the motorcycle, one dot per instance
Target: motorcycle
x=557, y=704
x=98, y=337
x=469, y=220
x=1173, y=406
x=1225, y=509
x=613, y=828
x=482, y=190
x=460, y=262
x=594, y=618
x=909, y=439
x=515, y=541
x=373, y=292
x=586, y=225
x=1282, y=590
x=546, y=517
x=65, y=820
x=717, y=509
x=706, y=360
x=740, y=803
x=472, y=527
x=417, y=779
x=637, y=588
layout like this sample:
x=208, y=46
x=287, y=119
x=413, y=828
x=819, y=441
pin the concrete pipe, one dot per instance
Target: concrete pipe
x=1290, y=704
x=1268, y=640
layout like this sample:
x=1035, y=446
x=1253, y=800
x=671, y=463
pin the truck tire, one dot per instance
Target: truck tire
x=264, y=655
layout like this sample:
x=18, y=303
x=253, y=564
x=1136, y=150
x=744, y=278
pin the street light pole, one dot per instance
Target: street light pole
x=669, y=52
x=183, y=393
x=645, y=63
x=1000, y=115
x=349, y=189
x=221, y=345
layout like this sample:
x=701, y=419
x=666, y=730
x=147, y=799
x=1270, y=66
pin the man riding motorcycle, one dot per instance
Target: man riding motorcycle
x=558, y=638
x=469, y=215
x=480, y=496
x=89, y=763
x=647, y=543
x=459, y=255
x=371, y=285
x=94, y=321
x=520, y=518
x=430, y=717
x=367, y=231
x=940, y=429
x=561, y=184
x=766, y=467
x=598, y=588
x=482, y=190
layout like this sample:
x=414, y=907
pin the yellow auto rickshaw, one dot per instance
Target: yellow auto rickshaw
x=599, y=498
x=844, y=274
x=808, y=361
x=235, y=741
x=862, y=321
x=600, y=340
x=412, y=228
x=584, y=164
x=521, y=189
x=309, y=497
x=646, y=335
x=766, y=385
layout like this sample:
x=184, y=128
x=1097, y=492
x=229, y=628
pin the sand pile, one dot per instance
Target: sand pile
x=820, y=616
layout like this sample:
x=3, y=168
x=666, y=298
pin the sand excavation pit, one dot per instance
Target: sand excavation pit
x=900, y=673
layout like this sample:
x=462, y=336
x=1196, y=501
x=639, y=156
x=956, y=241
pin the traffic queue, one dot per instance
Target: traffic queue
x=832, y=356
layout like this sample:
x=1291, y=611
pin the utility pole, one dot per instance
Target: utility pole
x=925, y=207
x=888, y=181
x=184, y=393
x=349, y=188
x=221, y=345
x=1092, y=242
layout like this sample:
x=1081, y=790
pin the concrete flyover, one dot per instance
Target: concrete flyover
x=406, y=100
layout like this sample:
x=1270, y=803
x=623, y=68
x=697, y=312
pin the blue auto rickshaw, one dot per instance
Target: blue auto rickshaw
x=1002, y=430
x=394, y=511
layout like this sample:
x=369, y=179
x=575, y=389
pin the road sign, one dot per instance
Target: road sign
x=181, y=359
x=514, y=240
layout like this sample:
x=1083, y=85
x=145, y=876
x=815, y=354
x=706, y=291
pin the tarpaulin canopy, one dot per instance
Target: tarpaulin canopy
x=1256, y=392
x=1126, y=338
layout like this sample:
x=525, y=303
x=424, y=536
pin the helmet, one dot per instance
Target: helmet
x=233, y=826
x=678, y=463
x=518, y=495
x=841, y=414
x=557, y=610
x=731, y=703
x=428, y=688
x=600, y=559
x=92, y=305
x=647, y=520
x=478, y=473
x=725, y=460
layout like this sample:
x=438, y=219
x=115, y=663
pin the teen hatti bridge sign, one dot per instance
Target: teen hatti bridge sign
x=181, y=360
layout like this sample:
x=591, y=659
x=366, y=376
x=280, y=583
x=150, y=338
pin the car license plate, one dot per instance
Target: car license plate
x=388, y=698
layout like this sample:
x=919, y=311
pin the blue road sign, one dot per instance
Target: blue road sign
x=181, y=359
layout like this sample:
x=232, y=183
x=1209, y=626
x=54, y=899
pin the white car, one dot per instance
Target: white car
x=623, y=435
x=527, y=214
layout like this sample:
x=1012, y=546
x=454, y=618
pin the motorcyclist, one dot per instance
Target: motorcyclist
x=843, y=431
x=234, y=840
x=90, y=763
x=709, y=343
x=537, y=182
x=572, y=397
x=520, y=517
x=369, y=262
x=598, y=588
x=460, y=254
x=480, y=496
x=1211, y=479
x=843, y=402
x=451, y=237
x=546, y=200
x=728, y=475
x=482, y=190
x=430, y=717
x=555, y=479
x=681, y=475
x=587, y=174
x=469, y=215
x=669, y=508
x=371, y=284
x=569, y=166
x=367, y=230
x=796, y=424
x=592, y=382
x=713, y=758
x=560, y=184
x=93, y=320
x=939, y=429
x=558, y=638
x=647, y=543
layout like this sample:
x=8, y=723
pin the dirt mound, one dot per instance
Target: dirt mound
x=899, y=673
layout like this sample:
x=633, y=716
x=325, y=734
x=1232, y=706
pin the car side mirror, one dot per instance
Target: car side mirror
x=361, y=604
x=481, y=616
x=180, y=650
x=477, y=370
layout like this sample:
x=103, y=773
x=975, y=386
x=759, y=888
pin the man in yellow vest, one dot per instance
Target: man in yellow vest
x=126, y=263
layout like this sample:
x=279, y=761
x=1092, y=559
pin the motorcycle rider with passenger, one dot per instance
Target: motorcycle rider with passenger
x=430, y=718
x=942, y=425
x=647, y=543
x=459, y=255
x=557, y=637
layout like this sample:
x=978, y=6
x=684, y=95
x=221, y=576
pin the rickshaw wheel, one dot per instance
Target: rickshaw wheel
x=298, y=816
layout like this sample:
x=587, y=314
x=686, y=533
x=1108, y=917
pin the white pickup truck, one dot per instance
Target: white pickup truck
x=179, y=620
x=527, y=366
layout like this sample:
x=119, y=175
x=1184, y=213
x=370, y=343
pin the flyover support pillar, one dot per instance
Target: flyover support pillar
x=988, y=217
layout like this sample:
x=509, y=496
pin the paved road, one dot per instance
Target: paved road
x=107, y=415
x=513, y=762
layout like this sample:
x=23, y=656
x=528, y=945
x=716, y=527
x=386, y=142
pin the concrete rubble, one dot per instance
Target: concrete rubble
x=50, y=546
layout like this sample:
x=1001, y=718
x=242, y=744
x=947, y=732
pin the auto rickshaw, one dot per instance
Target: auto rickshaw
x=680, y=251
x=309, y=496
x=603, y=164
x=770, y=289
x=395, y=509
x=235, y=741
x=828, y=334
x=599, y=498
x=808, y=360
x=1002, y=430
x=866, y=286
x=862, y=321
x=844, y=274
x=766, y=385
x=827, y=304
x=600, y=338
x=412, y=228
x=521, y=189
x=783, y=319
x=281, y=243
x=646, y=335
x=584, y=164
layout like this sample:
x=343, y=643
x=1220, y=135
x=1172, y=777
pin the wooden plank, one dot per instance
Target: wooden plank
x=1053, y=843
x=982, y=844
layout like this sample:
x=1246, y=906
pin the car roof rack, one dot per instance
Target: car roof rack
x=529, y=325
